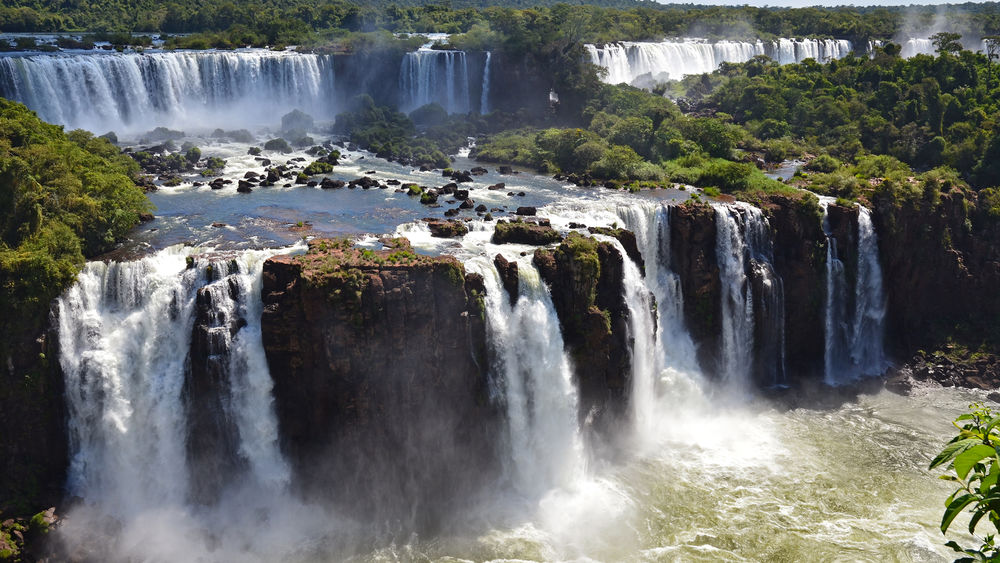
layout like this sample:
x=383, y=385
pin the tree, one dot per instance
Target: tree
x=947, y=42
x=972, y=457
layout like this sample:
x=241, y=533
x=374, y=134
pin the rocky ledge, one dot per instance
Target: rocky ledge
x=378, y=356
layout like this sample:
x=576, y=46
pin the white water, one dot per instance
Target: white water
x=546, y=449
x=125, y=331
x=484, y=97
x=133, y=92
x=647, y=63
x=853, y=345
x=434, y=76
x=743, y=250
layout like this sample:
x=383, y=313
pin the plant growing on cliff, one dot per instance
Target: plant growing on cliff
x=973, y=461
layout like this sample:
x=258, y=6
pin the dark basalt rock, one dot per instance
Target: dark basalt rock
x=508, y=276
x=380, y=388
x=585, y=277
x=692, y=254
x=213, y=439
x=522, y=232
x=628, y=242
x=526, y=211
x=447, y=229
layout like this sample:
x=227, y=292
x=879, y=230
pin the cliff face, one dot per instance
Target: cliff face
x=800, y=261
x=692, y=253
x=941, y=263
x=33, y=441
x=585, y=278
x=379, y=377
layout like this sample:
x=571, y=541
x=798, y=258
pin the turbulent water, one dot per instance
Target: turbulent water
x=646, y=63
x=435, y=76
x=138, y=91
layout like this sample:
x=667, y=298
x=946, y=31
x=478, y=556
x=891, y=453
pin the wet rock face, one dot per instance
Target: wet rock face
x=536, y=233
x=212, y=437
x=941, y=265
x=34, y=443
x=585, y=278
x=379, y=378
x=800, y=261
x=693, y=258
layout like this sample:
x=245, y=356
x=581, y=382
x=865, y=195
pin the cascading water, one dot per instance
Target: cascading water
x=136, y=92
x=484, y=97
x=666, y=365
x=853, y=345
x=535, y=380
x=434, y=76
x=645, y=64
x=125, y=331
x=743, y=251
x=913, y=47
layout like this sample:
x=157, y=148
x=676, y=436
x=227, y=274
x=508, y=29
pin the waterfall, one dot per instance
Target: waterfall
x=913, y=47
x=646, y=63
x=535, y=380
x=853, y=343
x=484, y=98
x=434, y=76
x=743, y=251
x=674, y=362
x=136, y=92
x=125, y=332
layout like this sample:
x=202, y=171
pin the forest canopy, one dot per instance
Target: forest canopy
x=66, y=197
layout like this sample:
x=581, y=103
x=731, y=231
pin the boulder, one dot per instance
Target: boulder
x=447, y=229
x=521, y=232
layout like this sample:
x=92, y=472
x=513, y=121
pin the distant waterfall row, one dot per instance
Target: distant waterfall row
x=646, y=63
x=247, y=88
x=130, y=91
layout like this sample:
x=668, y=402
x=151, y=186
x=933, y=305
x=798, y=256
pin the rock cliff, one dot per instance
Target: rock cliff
x=380, y=378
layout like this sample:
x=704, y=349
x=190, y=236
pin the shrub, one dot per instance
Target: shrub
x=279, y=145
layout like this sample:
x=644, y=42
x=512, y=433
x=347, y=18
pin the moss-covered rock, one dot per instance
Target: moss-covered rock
x=537, y=233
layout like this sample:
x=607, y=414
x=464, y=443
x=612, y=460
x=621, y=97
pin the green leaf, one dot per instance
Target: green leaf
x=990, y=480
x=953, y=449
x=970, y=457
x=953, y=509
x=976, y=517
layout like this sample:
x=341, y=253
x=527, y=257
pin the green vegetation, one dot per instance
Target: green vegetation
x=318, y=167
x=973, y=463
x=66, y=197
x=394, y=136
x=222, y=23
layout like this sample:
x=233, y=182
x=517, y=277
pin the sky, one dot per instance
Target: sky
x=805, y=3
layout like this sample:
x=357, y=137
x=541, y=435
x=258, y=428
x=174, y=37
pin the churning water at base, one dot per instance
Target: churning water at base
x=854, y=324
x=138, y=91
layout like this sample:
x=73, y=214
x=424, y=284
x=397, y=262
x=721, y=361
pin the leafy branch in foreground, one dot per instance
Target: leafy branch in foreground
x=974, y=458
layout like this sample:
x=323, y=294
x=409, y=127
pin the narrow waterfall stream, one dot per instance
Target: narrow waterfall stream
x=484, y=97
x=855, y=322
